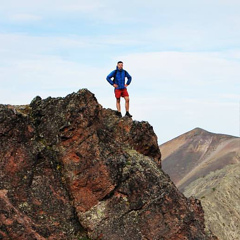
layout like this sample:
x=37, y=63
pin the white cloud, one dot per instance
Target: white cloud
x=50, y=72
x=192, y=68
x=24, y=17
x=76, y=5
x=32, y=44
x=54, y=5
x=231, y=97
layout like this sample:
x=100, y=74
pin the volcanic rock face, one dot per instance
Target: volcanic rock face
x=70, y=168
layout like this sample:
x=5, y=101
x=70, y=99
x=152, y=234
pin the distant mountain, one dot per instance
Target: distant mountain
x=207, y=166
x=197, y=153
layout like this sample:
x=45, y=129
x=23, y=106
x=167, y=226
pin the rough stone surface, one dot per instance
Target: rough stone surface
x=220, y=196
x=71, y=169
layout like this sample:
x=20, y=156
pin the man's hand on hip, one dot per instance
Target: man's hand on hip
x=115, y=85
x=126, y=85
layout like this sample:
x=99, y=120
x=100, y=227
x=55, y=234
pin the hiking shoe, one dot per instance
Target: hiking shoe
x=128, y=114
x=118, y=114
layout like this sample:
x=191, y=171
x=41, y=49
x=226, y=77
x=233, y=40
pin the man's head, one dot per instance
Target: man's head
x=120, y=65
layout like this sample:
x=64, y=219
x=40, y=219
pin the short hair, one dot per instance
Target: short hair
x=119, y=62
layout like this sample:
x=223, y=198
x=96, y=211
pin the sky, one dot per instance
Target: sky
x=183, y=56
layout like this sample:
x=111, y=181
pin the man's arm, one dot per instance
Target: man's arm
x=109, y=76
x=129, y=78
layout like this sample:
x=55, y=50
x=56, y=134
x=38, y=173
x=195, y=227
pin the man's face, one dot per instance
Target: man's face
x=120, y=66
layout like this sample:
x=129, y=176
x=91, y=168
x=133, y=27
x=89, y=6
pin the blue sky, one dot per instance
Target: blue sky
x=184, y=57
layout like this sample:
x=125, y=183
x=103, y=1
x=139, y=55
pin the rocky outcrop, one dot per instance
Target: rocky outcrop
x=71, y=169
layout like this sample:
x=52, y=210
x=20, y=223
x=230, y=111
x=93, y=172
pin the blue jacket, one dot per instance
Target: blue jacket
x=120, y=78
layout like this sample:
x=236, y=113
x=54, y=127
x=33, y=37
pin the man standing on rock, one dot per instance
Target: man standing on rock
x=120, y=90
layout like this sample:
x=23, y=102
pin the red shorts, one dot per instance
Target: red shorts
x=121, y=93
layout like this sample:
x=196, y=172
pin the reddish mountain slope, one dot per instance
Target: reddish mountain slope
x=197, y=153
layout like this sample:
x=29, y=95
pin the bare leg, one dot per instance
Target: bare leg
x=118, y=105
x=127, y=103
